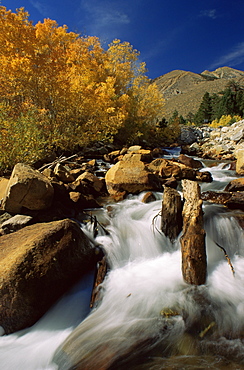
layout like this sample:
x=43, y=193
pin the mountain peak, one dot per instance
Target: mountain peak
x=183, y=91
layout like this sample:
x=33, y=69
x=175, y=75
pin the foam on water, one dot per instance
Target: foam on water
x=144, y=300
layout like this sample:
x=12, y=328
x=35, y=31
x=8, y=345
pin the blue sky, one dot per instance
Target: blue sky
x=191, y=35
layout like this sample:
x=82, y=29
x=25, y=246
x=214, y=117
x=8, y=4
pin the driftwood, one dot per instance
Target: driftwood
x=228, y=258
x=100, y=275
x=171, y=215
x=194, y=261
x=56, y=161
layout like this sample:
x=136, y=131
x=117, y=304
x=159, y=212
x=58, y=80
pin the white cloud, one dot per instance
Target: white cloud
x=103, y=18
x=233, y=58
x=210, y=13
x=40, y=7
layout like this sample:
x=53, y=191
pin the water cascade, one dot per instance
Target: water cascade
x=147, y=316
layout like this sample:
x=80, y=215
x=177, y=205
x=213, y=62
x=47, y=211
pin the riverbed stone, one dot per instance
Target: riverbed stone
x=3, y=187
x=130, y=175
x=235, y=185
x=240, y=162
x=63, y=173
x=190, y=162
x=27, y=188
x=15, y=223
x=37, y=265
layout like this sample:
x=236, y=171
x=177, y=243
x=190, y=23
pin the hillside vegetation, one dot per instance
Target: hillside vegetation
x=183, y=91
x=62, y=90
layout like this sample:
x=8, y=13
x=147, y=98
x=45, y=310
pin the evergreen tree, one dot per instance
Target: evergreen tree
x=182, y=120
x=174, y=116
x=215, y=101
x=204, y=112
x=190, y=117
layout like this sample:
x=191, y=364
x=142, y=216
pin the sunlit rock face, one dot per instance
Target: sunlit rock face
x=27, y=188
x=38, y=264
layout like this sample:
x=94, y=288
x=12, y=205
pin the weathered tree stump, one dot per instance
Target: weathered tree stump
x=194, y=261
x=171, y=219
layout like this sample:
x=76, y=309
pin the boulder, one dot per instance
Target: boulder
x=217, y=197
x=235, y=185
x=190, y=162
x=15, y=223
x=240, y=162
x=171, y=182
x=236, y=201
x=189, y=135
x=165, y=168
x=3, y=187
x=87, y=183
x=130, y=175
x=38, y=264
x=4, y=216
x=148, y=197
x=27, y=188
x=63, y=173
x=81, y=202
x=204, y=176
x=111, y=157
x=134, y=148
x=142, y=155
x=92, y=181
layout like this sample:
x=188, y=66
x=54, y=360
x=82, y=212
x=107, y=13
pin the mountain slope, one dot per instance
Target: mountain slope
x=183, y=91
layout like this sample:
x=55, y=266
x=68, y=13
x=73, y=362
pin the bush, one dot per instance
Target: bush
x=225, y=120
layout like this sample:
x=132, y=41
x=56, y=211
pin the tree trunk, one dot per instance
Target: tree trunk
x=171, y=219
x=194, y=261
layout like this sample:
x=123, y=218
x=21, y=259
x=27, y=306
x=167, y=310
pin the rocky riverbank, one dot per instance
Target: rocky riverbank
x=214, y=143
x=43, y=251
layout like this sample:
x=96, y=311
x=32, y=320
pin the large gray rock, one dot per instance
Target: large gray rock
x=37, y=265
x=189, y=135
x=27, y=188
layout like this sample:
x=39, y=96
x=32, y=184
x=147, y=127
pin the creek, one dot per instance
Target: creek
x=148, y=317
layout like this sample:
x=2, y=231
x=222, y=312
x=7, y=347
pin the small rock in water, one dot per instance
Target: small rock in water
x=148, y=197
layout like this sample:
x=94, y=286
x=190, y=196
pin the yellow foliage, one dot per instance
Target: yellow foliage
x=225, y=121
x=80, y=91
x=171, y=132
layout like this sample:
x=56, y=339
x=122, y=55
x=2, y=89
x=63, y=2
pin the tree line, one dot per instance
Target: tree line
x=224, y=107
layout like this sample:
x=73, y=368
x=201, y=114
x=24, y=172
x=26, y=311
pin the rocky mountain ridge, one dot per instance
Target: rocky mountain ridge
x=183, y=91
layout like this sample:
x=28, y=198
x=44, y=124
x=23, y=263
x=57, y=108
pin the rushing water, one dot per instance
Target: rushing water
x=148, y=317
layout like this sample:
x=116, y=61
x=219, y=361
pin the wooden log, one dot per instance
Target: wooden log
x=100, y=275
x=171, y=218
x=194, y=261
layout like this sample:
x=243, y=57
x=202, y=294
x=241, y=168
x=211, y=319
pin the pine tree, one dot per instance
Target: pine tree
x=204, y=112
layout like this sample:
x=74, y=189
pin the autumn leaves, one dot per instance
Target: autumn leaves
x=68, y=90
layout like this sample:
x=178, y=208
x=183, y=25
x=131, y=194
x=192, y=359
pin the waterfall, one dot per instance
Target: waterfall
x=147, y=316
